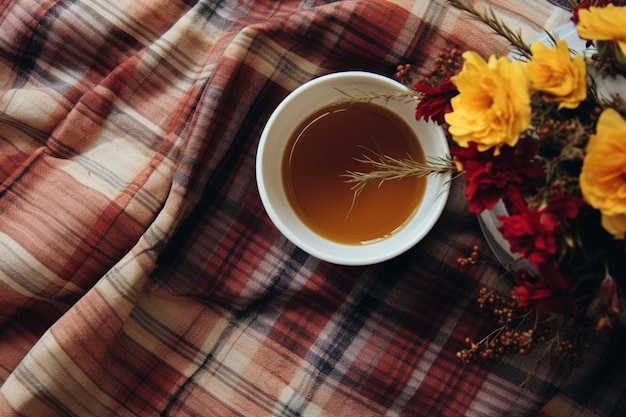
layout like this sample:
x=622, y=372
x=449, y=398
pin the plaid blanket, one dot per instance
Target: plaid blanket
x=139, y=273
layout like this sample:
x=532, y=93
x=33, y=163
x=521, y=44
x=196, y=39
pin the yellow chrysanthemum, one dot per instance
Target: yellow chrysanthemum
x=554, y=72
x=615, y=225
x=603, y=177
x=493, y=105
x=603, y=24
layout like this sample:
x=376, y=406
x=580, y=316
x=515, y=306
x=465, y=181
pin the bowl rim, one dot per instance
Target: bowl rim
x=331, y=251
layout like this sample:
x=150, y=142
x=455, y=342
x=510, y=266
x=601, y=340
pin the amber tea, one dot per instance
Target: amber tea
x=323, y=147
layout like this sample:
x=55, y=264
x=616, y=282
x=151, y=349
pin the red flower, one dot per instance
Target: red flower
x=547, y=292
x=490, y=178
x=535, y=233
x=435, y=102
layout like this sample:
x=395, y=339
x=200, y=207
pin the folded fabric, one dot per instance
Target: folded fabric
x=139, y=273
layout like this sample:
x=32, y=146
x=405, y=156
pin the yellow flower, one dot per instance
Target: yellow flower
x=615, y=225
x=603, y=176
x=493, y=105
x=555, y=73
x=603, y=24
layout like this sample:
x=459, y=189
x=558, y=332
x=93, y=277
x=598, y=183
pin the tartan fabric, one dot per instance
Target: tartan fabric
x=139, y=273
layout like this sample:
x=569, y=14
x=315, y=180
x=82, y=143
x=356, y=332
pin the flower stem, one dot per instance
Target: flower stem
x=386, y=168
x=494, y=23
x=365, y=97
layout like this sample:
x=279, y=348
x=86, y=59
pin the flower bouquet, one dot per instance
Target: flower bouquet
x=533, y=134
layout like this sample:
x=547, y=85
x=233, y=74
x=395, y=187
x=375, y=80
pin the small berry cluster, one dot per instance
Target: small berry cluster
x=607, y=64
x=515, y=334
x=557, y=128
x=469, y=260
x=519, y=332
x=447, y=64
x=562, y=148
x=404, y=74
x=569, y=349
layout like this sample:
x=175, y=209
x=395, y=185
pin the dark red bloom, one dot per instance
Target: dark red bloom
x=547, y=292
x=435, y=102
x=490, y=178
x=535, y=233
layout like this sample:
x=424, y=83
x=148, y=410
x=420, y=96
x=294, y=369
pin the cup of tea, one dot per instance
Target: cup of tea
x=317, y=136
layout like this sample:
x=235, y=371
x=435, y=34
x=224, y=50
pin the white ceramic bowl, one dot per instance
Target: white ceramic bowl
x=296, y=107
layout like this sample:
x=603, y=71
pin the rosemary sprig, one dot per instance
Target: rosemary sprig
x=385, y=168
x=365, y=97
x=494, y=23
